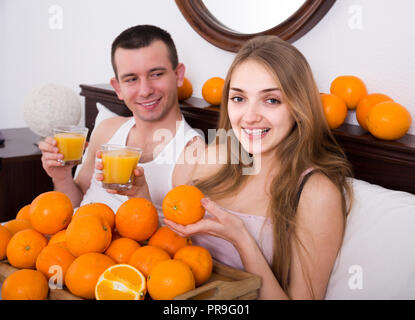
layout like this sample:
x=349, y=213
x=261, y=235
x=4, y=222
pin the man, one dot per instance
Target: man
x=147, y=74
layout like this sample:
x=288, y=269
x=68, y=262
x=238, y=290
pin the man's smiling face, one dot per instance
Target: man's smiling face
x=147, y=81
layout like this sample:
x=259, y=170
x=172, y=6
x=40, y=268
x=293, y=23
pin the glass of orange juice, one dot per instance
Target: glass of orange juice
x=119, y=163
x=70, y=142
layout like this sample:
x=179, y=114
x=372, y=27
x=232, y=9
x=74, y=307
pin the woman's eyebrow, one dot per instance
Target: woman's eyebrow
x=264, y=90
x=271, y=89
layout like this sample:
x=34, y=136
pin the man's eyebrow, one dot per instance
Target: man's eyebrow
x=157, y=69
x=128, y=75
x=264, y=90
x=150, y=71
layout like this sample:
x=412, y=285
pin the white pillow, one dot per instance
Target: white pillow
x=103, y=113
x=377, y=258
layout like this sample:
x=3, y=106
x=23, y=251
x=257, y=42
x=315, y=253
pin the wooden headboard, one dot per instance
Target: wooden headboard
x=390, y=164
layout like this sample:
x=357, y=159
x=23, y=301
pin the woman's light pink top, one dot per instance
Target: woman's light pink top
x=223, y=251
x=260, y=229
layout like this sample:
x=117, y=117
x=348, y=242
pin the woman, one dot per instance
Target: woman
x=284, y=220
x=281, y=215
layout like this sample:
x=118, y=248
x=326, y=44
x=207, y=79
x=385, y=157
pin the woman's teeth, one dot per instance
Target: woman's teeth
x=256, y=132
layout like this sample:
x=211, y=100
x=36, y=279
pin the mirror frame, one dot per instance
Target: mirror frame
x=206, y=25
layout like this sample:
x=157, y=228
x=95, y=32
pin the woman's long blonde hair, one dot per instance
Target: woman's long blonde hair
x=310, y=144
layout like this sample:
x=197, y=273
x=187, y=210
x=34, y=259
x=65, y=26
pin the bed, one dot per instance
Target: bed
x=376, y=260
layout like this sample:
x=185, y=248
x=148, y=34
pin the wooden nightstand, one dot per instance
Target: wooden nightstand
x=22, y=177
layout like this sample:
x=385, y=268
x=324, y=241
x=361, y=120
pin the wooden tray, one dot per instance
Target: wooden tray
x=225, y=283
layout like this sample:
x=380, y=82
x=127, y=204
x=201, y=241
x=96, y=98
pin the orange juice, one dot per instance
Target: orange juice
x=71, y=145
x=119, y=166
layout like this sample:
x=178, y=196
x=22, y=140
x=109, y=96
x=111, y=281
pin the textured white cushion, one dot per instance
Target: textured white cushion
x=50, y=105
x=103, y=113
x=377, y=258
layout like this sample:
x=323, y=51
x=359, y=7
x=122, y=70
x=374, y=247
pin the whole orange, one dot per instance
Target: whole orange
x=137, y=219
x=366, y=104
x=199, y=260
x=25, y=284
x=185, y=91
x=24, y=212
x=24, y=248
x=350, y=89
x=82, y=275
x=99, y=209
x=182, y=205
x=59, y=238
x=212, y=90
x=121, y=250
x=54, y=260
x=146, y=257
x=50, y=212
x=169, y=279
x=168, y=240
x=335, y=110
x=88, y=233
x=388, y=120
x=17, y=225
x=5, y=236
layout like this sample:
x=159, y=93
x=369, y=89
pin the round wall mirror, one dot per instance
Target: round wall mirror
x=243, y=17
x=228, y=24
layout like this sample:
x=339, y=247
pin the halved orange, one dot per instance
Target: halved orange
x=121, y=282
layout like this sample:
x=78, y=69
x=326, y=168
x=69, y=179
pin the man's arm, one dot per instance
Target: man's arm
x=62, y=175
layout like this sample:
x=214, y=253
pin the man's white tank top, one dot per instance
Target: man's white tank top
x=158, y=172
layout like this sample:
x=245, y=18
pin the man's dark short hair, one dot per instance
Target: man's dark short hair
x=142, y=36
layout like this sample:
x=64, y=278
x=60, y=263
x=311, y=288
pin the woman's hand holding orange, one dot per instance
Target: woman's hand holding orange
x=223, y=225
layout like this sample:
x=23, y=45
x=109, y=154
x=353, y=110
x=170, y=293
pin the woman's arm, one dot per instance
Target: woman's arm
x=320, y=229
x=197, y=161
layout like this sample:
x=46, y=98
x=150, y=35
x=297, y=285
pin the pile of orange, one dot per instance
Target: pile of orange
x=26, y=246
x=335, y=110
x=350, y=89
x=79, y=251
x=185, y=91
x=375, y=112
x=212, y=90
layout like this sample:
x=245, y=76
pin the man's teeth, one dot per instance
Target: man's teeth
x=149, y=104
x=256, y=132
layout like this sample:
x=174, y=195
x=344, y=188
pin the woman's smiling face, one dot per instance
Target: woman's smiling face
x=258, y=114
